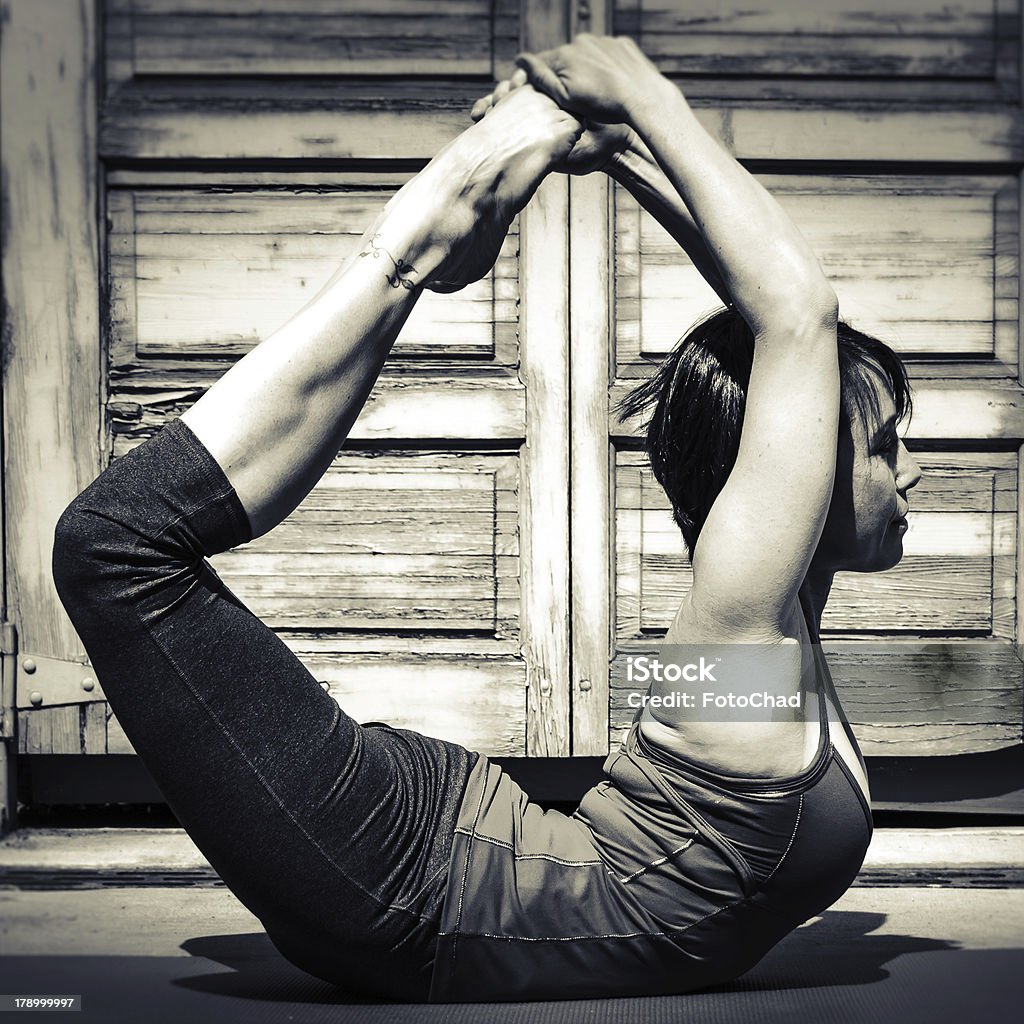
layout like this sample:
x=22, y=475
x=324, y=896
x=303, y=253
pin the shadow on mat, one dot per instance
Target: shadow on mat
x=260, y=972
x=834, y=949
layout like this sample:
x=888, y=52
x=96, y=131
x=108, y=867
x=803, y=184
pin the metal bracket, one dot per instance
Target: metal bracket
x=48, y=682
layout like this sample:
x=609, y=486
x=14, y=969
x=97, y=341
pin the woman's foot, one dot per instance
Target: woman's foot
x=481, y=180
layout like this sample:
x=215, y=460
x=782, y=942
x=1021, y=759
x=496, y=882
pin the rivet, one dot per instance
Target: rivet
x=29, y=665
x=35, y=698
x=545, y=686
x=585, y=685
x=88, y=684
x=324, y=684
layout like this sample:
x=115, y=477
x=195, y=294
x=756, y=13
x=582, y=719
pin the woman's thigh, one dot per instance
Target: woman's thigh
x=335, y=835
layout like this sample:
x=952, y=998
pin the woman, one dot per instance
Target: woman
x=408, y=867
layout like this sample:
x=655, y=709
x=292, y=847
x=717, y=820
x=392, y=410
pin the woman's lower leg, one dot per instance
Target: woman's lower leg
x=276, y=420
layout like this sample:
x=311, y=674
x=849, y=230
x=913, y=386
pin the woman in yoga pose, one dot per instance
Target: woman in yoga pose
x=408, y=867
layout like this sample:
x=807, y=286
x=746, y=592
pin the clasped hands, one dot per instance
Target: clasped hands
x=566, y=110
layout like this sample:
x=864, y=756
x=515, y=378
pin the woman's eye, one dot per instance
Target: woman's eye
x=889, y=444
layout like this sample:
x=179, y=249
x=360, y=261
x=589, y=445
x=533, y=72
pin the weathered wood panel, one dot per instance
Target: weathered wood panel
x=68, y=729
x=51, y=309
x=944, y=411
x=50, y=731
x=957, y=575
x=402, y=410
x=396, y=582
x=476, y=701
x=411, y=543
x=852, y=40
x=321, y=37
x=211, y=274
x=930, y=264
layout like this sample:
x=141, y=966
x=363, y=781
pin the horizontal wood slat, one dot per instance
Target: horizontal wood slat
x=930, y=264
x=252, y=122
x=210, y=274
x=322, y=37
x=478, y=702
x=942, y=413
x=397, y=410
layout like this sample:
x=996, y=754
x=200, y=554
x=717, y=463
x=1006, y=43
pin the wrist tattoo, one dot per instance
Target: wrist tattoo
x=395, y=278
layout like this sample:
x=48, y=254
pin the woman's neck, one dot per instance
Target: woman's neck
x=815, y=591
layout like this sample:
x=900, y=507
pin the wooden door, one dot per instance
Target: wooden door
x=171, y=202
x=892, y=133
x=241, y=150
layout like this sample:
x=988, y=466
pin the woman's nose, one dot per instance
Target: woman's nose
x=908, y=472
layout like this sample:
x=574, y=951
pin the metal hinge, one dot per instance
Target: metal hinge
x=44, y=682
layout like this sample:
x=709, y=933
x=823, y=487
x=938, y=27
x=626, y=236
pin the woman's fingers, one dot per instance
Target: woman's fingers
x=538, y=72
x=595, y=77
x=481, y=107
x=501, y=90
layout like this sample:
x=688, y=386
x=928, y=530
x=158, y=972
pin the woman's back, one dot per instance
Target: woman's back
x=667, y=878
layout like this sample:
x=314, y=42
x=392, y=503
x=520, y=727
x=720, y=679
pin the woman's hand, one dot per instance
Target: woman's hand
x=598, y=78
x=476, y=185
x=597, y=147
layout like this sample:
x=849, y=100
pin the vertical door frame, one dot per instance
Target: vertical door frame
x=51, y=284
x=591, y=498
x=544, y=481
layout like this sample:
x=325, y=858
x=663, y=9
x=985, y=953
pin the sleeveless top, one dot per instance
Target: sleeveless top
x=668, y=878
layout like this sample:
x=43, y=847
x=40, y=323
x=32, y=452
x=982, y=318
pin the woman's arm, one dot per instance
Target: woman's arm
x=635, y=168
x=618, y=151
x=756, y=546
x=276, y=419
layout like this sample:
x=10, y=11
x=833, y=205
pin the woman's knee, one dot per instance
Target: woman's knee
x=88, y=546
x=103, y=544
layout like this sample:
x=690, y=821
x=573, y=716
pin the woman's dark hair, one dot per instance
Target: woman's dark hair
x=699, y=394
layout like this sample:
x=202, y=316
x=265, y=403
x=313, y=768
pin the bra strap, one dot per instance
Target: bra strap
x=688, y=813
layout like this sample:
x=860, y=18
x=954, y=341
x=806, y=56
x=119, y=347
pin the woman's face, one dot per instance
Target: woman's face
x=864, y=528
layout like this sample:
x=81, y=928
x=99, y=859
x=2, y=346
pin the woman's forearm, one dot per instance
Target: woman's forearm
x=638, y=172
x=767, y=267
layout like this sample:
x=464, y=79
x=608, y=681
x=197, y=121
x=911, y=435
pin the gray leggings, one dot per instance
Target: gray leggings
x=336, y=836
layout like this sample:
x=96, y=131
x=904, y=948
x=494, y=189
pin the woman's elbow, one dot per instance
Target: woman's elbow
x=799, y=308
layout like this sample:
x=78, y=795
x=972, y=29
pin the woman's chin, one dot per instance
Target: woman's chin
x=889, y=555
x=884, y=557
